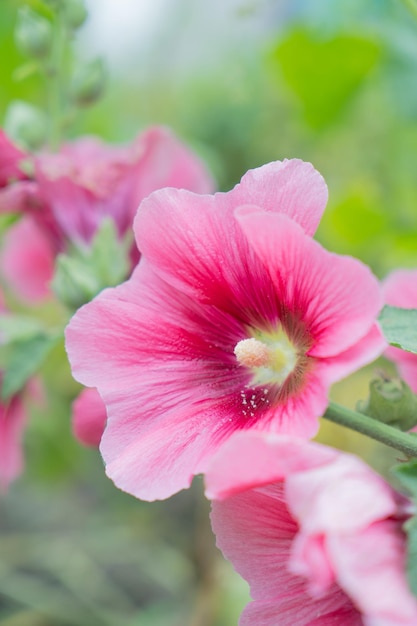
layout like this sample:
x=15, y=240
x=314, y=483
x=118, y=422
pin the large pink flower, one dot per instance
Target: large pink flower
x=74, y=190
x=234, y=319
x=316, y=533
x=400, y=289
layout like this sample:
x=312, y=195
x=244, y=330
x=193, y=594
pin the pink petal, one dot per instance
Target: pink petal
x=371, y=567
x=12, y=422
x=195, y=245
x=88, y=417
x=255, y=531
x=27, y=260
x=309, y=559
x=160, y=462
x=298, y=415
x=164, y=161
x=366, y=350
x=400, y=288
x=299, y=610
x=272, y=457
x=362, y=496
x=291, y=187
x=20, y=197
x=336, y=297
x=200, y=248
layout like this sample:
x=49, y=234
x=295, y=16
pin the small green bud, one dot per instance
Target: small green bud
x=33, y=34
x=391, y=401
x=75, y=13
x=88, y=83
x=26, y=125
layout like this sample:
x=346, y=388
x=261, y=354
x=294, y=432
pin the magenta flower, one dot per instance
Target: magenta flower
x=73, y=191
x=234, y=319
x=400, y=289
x=316, y=533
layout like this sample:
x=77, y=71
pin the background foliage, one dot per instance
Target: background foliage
x=334, y=83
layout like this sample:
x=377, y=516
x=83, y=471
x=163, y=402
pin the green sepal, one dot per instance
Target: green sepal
x=392, y=402
x=399, y=327
x=83, y=272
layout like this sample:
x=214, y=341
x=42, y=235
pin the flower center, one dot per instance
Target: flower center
x=252, y=353
x=270, y=356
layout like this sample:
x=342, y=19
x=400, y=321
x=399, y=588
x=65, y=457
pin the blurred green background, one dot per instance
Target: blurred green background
x=244, y=82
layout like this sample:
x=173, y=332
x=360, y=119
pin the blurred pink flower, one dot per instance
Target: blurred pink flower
x=72, y=191
x=234, y=319
x=10, y=158
x=400, y=289
x=13, y=418
x=316, y=533
x=88, y=417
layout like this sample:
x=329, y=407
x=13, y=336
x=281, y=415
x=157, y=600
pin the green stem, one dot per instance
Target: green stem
x=372, y=428
x=54, y=79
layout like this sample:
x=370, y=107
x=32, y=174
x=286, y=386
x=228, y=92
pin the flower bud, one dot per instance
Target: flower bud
x=88, y=83
x=26, y=125
x=391, y=401
x=75, y=13
x=33, y=34
x=73, y=283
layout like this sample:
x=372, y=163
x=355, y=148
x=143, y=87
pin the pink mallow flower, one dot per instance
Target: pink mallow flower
x=316, y=533
x=234, y=319
x=400, y=289
x=71, y=192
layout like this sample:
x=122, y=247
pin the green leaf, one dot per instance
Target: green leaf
x=399, y=327
x=406, y=473
x=324, y=73
x=23, y=359
x=411, y=530
x=109, y=254
x=18, y=327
